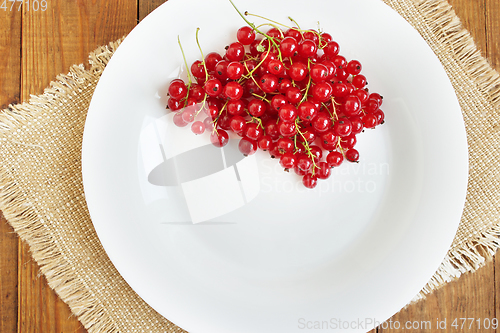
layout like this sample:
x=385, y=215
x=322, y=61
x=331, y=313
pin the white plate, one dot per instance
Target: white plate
x=275, y=257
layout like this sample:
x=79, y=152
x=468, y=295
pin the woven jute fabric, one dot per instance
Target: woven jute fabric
x=41, y=191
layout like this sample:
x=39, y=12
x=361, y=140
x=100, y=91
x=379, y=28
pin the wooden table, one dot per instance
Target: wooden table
x=37, y=44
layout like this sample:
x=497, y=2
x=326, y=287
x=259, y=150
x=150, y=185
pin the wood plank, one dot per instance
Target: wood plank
x=10, y=55
x=472, y=296
x=493, y=32
x=65, y=33
x=8, y=277
x=52, y=41
x=146, y=7
x=10, y=78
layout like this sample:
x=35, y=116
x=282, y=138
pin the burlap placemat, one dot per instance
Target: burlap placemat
x=41, y=192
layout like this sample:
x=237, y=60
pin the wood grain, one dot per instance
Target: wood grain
x=52, y=41
x=36, y=46
x=146, y=7
x=10, y=92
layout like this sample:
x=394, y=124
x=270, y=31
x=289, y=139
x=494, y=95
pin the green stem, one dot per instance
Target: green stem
x=202, y=56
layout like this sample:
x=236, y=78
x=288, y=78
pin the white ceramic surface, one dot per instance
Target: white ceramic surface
x=272, y=256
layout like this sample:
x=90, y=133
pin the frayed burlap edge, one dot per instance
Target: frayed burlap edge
x=443, y=25
x=24, y=218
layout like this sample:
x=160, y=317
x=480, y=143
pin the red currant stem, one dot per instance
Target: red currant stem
x=340, y=147
x=262, y=98
x=202, y=105
x=185, y=62
x=308, y=82
x=333, y=115
x=265, y=18
x=291, y=19
x=218, y=116
x=306, y=145
x=202, y=56
x=252, y=25
x=257, y=120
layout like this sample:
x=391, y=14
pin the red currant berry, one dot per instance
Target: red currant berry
x=311, y=35
x=256, y=107
x=294, y=33
x=334, y=159
x=177, y=89
x=219, y=138
x=352, y=155
x=307, y=111
x=293, y=95
x=304, y=163
x=209, y=124
x=175, y=104
x=287, y=113
x=253, y=131
x=245, y=35
x=275, y=67
x=211, y=61
x=235, y=52
x=235, y=107
x=198, y=70
x=266, y=57
x=339, y=89
x=332, y=49
x=321, y=123
x=235, y=70
x=188, y=115
x=307, y=48
x=310, y=181
x=275, y=33
x=288, y=46
x=198, y=127
x=287, y=129
x=238, y=124
x=369, y=120
x=353, y=67
x=316, y=152
x=247, y=146
x=342, y=127
x=380, y=116
x=298, y=71
x=213, y=87
x=196, y=92
x=330, y=67
x=352, y=106
x=359, y=81
x=319, y=73
x=308, y=135
x=278, y=101
x=221, y=70
x=324, y=170
x=264, y=142
x=348, y=142
x=233, y=90
x=356, y=124
x=324, y=39
x=178, y=120
x=322, y=91
x=362, y=95
x=271, y=128
x=268, y=83
x=283, y=85
x=329, y=138
x=288, y=160
x=285, y=145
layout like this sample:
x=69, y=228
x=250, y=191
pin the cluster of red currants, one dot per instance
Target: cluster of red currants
x=288, y=92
